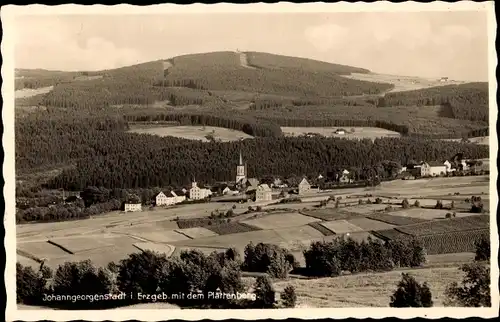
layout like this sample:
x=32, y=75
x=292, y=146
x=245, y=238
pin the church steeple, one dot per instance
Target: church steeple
x=241, y=172
x=241, y=159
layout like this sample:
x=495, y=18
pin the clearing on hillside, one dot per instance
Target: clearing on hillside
x=28, y=92
x=195, y=132
x=350, y=132
x=341, y=226
x=366, y=289
x=401, y=83
x=280, y=221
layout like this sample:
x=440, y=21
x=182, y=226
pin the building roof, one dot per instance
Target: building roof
x=169, y=194
x=264, y=187
x=304, y=181
x=253, y=182
x=179, y=193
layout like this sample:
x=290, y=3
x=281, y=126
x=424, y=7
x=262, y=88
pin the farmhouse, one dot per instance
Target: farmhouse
x=432, y=169
x=130, y=207
x=305, y=187
x=263, y=193
x=443, y=79
x=344, y=178
x=170, y=198
x=340, y=131
x=249, y=184
x=196, y=192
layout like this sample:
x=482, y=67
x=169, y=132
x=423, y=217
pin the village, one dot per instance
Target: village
x=245, y=189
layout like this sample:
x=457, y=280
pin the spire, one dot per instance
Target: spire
x=241, y=159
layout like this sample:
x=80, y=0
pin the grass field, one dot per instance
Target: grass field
x=280, y=221
x=42, y=249
x=365, y=209
x=341, y=226
x=159, y=248
x=328, y=214
x=358, y=133
x=162, y=236
x=365, y=290
x=294, y=234
x=27, y=92
x=370, y=224
x=395, y=219
x=194, y=132
x=401, y=83
x=322, y=229
x=196, y=232
x=453, y=242
x=81, y=244
x=230, y=228
x=426, y=214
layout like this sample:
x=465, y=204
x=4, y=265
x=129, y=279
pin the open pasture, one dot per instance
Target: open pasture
x=358, y=133
x=25, y=261
x=328, y=214
x=41, y=250
x=322, y=229
x=365, y=209
x=441, y=226
x=28, y=92
x=370, y=224
x=341, y=226
x=81, y=244
x=425, y=214
x=453, y=242
x=367, y=289
x=195, y=132
x=196, y=232
x=159, y=248
x=401, y=83
x=162, y=236
x=395, y=219
x=300, y=233
x=280, y=221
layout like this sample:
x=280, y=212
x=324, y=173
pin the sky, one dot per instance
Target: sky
x=426, y=44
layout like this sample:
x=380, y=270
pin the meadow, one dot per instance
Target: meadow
x=194, y=132
x=351, y=132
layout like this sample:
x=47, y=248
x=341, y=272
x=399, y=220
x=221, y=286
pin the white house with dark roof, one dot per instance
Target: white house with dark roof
x=263, y=193
x=433, y=169
x=131, y=207
x=196, y=192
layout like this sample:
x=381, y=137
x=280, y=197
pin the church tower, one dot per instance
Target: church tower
x=241, y=170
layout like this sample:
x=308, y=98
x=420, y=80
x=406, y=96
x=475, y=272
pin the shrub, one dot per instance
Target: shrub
x=477, y=207
x=368, y=201
x=439, y=205
x=288, y=297
x=264, y=292
x=31, y=285
x=483, y=249
x=337, y=203
x=448, y=215
x=405, y=204
x=411, y=294
x=360, y=202
x=452, y=205
x=388, y=208
x=378, y=201
x=475, y=288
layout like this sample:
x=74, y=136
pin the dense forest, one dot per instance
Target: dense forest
x=466, y=102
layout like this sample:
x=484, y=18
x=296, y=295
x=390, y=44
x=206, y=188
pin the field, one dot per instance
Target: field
x=395, y=220
x=365, y=209
x=453, y=242
x=28, y=92
x=81, y=244
x=300, y=233
x=230, y=228
x=328, y=214
x=351, y=132
x=322, y=229
x=370, y=224
x=473, y=222
x=162, y=236
x=194, y=132
x=367, y=290
x=401, y=83
x=196, y=232
x=425, y=214
x=160, y=248
x=280, y=221
x=41, y=250
x=341, y=226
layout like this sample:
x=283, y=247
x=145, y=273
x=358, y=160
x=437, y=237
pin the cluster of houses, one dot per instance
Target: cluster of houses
x=437, y=168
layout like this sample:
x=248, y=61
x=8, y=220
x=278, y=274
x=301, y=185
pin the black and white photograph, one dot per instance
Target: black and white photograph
x=250, y=161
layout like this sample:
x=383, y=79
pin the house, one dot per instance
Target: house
x=161, y=199
x=179, y=195
x=345, y=178
x=443, y=79
x=449, y=166
x=320, y=176
x=170, y=198
x=228, y=191
x=340, y=131
x=407, y=175
x=196, y=192
x=249, y=184
x=432, y=169
x=129, y=207
x=263, y=193
x=304, y=187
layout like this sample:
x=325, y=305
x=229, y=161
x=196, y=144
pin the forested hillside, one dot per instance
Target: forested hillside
x=466, y=102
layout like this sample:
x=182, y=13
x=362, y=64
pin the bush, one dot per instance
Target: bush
x=378, y=201
x=452, y=205
x=268, y=258
x=417, y=204
x=31, y=285
x=264, y=292
x=477, y=207
x=388, y=208
x=448, y=215
x=475, y=288
x=483, y=249
x=140, y=272
x=411, y=294
x=323, y=259
x=439, y=205
x=405, y=204
x=360, y=202
x=288, y=297
x=337, y=203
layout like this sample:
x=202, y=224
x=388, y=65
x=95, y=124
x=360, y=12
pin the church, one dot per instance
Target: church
x=242, y=181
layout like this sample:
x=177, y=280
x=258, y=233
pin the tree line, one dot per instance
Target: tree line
x=192, y=272
x=142, y=162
